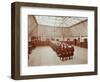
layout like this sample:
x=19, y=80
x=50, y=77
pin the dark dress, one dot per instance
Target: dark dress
x=72, y=51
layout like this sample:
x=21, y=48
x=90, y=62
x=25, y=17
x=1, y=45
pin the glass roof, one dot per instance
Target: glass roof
x=59, y=21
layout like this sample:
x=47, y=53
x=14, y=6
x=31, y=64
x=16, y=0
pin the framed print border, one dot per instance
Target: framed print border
x=15, y=39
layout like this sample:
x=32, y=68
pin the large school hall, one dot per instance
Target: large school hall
x=57, y=40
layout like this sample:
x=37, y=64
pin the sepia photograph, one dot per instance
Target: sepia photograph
x=57, y=40
x=50, y=40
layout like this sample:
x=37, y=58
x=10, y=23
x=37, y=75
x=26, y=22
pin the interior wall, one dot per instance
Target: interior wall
x=32, y=27
x=52, y=32
x=79, y=29
x=44, y=31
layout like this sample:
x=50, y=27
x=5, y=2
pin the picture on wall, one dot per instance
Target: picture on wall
x=53, y=40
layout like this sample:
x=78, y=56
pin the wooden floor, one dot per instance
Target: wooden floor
x=44, y=56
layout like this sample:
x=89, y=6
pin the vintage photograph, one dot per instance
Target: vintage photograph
x=53, y=40
x=57, y=40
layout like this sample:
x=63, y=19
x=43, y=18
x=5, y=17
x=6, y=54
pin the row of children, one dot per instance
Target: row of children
x=64, y=51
